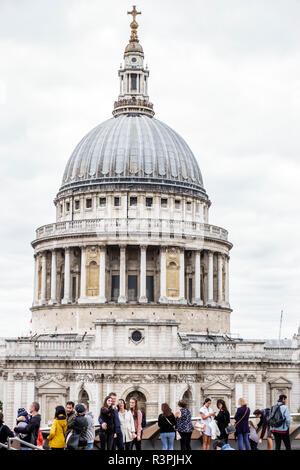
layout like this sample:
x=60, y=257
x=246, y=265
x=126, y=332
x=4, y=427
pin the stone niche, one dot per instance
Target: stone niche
x=173, y=268
x=279, y=386
x=216, y=389
x=51, y=394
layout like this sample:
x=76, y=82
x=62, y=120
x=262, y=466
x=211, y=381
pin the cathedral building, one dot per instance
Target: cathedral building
x=131, y=285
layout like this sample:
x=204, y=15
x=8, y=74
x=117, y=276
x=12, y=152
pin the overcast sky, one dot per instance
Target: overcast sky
x=224, y=74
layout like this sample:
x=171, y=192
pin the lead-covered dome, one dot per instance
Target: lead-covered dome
x=134, y=150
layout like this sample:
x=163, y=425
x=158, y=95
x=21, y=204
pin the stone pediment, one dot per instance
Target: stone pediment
x=51, y=385
x=280, y=381
x=217, y=385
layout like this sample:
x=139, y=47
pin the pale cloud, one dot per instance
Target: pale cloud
x=224, y=75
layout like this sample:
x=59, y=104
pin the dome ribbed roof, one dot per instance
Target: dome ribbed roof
x=136, y=150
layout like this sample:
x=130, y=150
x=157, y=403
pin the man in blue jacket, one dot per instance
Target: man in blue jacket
x=118, y=441
x=282, y=432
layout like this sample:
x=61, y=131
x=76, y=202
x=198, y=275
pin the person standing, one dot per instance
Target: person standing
x=126, y=423
x=184, y=425
x=90, y=432
x=32, y=429
x=207, y=414
x=107, y=416
x=58, y=429
x=71, y=415
x=263, y=425
x=167, y=425
x=78, y=426
x=241, y=424
x=223, y=420
x=5, y=432
x=280, y=420
x=137, y=418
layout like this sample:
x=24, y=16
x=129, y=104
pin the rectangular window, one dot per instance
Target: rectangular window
x=150, y=288
x=102, y=201
x=117, y=201
x=164, y=202
x=133, y=201
x=190, y=289
x=88, y=203
x=188, y=206
x=133, y=81
x=61, y=209
x=67, y=206
x=77, y=204
x=115, y=287
x=73, y=289
x=197, y=208
x=177, y=204
x=132, y=288
x=149, y=201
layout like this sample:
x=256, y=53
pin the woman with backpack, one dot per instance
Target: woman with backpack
x=58, y=429
x=167, y=425
x=107, y=416
x=241, y=424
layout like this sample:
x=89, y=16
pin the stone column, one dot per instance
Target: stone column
x=210, y=300
x=82, y=298
x=227, y=304
x=143, y=273
x=36, y=280
x=102, y=276
x=182, y=278
x=66, y=298
x=122, y=295
x=163, y=275
x=53, y=299
x=44, y=275
x=220, y=279
x=197, y=300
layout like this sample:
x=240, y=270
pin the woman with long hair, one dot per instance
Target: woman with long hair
x=137, y=418
x=5, y=431
x=107, y=415
x=127, y=424
x=184, y=425
x=58, y=429
x=241, y=424
x=223, y=419
x=167, y=425
x=207, y=414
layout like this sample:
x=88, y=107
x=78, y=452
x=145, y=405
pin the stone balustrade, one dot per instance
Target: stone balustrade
x=133, y=228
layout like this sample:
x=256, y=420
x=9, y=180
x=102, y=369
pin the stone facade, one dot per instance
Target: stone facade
x=131, y=286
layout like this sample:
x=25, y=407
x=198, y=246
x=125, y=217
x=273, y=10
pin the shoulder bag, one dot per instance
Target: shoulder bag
x=238, y=422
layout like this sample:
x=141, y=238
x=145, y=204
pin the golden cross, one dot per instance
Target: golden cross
x=134, y=12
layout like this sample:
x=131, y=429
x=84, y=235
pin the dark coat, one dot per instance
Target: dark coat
x=31, y=430
x=223, y=419
x=164, y=425
x=5, y=433
x=242, y=427
x=108, y=416
x=79, y=425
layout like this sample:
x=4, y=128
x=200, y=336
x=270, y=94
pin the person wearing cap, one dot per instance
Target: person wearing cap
x=79, y=425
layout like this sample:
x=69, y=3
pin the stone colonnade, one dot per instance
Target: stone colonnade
x=172, y=279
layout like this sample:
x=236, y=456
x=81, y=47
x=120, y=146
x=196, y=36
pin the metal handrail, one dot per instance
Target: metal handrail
x=24, y=443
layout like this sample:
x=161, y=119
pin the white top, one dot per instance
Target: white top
x=127, y=425
x=206, y=411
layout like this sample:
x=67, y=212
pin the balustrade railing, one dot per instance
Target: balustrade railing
x=134, y=227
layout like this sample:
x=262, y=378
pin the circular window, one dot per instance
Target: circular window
x=136, y=336
x=133, y=59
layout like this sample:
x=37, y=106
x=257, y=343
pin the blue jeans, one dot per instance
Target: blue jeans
x=243, y=439
x=167, y=440
x=90, y=446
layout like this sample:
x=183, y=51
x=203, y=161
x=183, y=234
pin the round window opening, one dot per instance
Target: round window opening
x=133, y=59
x=136, y=336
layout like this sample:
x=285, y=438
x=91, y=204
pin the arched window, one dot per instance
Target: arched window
x=83, y=397
x=187, y=397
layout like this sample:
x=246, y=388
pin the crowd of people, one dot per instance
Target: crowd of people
x=121, y=428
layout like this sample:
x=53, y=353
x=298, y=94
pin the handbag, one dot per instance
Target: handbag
x=72, y=441
x=230, y=429
x=200, y=426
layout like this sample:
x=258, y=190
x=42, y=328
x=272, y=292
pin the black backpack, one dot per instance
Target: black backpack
x=275, y=419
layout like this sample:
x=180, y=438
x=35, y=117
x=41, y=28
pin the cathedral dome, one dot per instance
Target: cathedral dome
x=133, y=149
